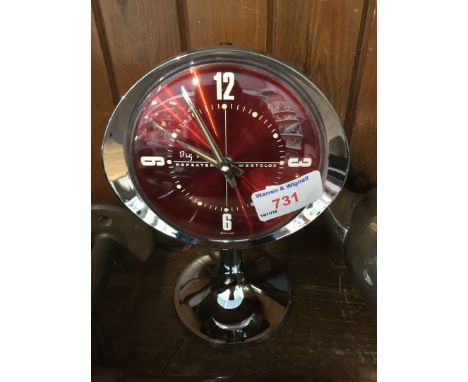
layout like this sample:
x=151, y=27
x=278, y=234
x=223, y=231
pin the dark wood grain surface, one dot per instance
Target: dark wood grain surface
x=141, y=34
x=362, y=127
x=240, y=22
x=101, y=109
x=329, y=333
x=320, y=39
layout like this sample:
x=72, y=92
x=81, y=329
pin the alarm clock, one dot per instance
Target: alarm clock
x=229, y=149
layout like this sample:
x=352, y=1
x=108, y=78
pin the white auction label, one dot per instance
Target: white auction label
x=284, y=198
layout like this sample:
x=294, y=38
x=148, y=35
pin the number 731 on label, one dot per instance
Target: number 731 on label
x=282, y=199
x=285, y=200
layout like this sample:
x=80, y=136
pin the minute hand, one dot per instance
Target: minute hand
x=206, y=133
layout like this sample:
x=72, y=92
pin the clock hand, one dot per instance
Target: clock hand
x=243, y=203
x=229, y=176
x=206, y=133
x=223, y=164
x=196, y=150
x=234, y=168
x=199, y=152
x=203, y=154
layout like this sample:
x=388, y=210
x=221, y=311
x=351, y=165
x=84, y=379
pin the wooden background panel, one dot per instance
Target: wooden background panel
x=101, y=109
x=141, y=34
x=363, y=117
x=241, y=22
x=320, y=39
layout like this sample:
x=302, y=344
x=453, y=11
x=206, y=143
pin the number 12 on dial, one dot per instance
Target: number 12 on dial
x=226, y=77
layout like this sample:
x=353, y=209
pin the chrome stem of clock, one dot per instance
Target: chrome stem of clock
x=225, y=165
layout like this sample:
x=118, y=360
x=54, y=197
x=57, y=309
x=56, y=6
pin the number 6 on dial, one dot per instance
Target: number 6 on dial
x=227, y=222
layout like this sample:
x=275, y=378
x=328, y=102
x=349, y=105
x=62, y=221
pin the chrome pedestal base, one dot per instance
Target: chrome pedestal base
x=229, y=298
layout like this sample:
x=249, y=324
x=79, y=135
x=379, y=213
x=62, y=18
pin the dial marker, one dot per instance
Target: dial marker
x=224, y=106
x=174, y=135
x=254, y=114
x=179, y=186
x=275, y=135
x=193, y=216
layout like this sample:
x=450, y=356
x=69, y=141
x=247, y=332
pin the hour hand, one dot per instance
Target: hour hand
x=204, y=155
x=227, y=170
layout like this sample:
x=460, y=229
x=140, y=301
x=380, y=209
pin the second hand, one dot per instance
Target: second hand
x=225, y=150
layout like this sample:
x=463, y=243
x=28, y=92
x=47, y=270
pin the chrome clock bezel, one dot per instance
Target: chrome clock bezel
x=334, y=155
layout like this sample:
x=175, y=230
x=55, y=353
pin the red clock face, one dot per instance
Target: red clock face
x=212, y=135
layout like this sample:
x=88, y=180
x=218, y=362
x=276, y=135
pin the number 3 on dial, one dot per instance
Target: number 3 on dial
x=227, y=77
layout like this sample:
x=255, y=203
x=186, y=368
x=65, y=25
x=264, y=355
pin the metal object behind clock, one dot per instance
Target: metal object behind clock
x=352, y=222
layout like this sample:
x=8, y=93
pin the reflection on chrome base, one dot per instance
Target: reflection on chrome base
x=230, y=297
